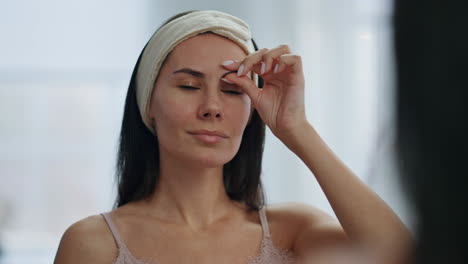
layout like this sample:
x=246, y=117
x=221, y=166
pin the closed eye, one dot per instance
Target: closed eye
x=189, y=87
x=232, y=89
x=233, y=92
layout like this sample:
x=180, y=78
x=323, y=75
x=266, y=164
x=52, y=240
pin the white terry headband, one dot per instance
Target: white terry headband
x=173, y=33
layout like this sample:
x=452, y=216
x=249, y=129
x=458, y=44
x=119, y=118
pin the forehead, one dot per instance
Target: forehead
x=205, y=50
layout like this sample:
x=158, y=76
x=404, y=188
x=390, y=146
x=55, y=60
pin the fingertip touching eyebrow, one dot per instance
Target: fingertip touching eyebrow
x=198, y=74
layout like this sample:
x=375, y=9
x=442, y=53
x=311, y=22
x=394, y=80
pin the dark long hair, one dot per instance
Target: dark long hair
x=138, y=165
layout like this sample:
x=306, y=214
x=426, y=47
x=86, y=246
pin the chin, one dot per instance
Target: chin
x=211, y=162
x=203, y=157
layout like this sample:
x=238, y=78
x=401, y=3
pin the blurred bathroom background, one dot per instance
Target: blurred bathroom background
x=65, y=67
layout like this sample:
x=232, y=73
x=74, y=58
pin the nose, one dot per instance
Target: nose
x=211, y=108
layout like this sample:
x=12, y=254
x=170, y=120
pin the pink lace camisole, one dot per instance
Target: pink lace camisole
x=268, y=253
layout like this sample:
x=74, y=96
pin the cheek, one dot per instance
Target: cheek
x=239, y=111
x=170, y=111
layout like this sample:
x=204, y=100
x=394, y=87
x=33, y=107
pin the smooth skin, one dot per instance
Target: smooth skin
x=366, y=219
x=190, y=218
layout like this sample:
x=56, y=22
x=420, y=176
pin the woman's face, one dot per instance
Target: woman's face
x=184, y=116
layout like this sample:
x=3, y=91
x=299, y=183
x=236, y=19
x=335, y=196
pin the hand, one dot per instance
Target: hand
x=280, y=103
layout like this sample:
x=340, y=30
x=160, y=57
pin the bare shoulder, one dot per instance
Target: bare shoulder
x=87, y=241
x=299, y=213
x=305, y=226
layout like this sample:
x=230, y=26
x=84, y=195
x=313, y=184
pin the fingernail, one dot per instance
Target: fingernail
x=228, y=62
x=241, y=69
x=276, y=68
x=262, y=70
x=226, y=80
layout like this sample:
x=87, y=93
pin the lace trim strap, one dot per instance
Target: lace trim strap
x=113, y=229
x=264, y=222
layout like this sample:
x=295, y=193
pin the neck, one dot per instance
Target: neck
x=191, y=195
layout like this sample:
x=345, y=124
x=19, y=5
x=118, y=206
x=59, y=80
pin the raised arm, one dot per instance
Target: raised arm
x=365, y=218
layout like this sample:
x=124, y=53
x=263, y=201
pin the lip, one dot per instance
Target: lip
x=209, y=136
x=209, y=133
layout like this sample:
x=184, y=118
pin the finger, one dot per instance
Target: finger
x=261, y=62
x=272, y=56
x=231, y=64
x=249, y=63
x=252, y=62
x=292, y=61
x=246, y=84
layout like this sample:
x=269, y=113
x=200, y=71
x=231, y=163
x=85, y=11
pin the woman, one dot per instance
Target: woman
x=190, y=160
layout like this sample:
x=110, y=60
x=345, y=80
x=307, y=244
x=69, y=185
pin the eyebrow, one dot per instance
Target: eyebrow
x=197, y=74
